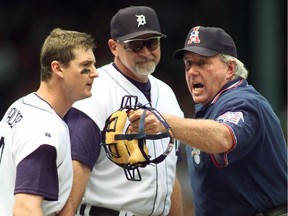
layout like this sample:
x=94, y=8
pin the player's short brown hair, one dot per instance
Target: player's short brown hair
x=59, y=46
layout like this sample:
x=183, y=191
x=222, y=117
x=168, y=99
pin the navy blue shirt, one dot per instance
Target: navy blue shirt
x=43, y=177
x=252, y=176
x=85, y=137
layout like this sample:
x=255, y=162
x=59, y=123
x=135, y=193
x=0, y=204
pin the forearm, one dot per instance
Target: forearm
x=204, y=134
x=207, y=135
x=176, y=208
x=80, y=179
x=27, y=205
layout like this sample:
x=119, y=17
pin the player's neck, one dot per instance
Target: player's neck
x=54, y=97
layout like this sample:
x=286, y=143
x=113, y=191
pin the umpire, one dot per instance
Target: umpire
x=236, y=150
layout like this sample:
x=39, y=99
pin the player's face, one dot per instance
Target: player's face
x=205, y=76
x=79, y=75
x=139, y=58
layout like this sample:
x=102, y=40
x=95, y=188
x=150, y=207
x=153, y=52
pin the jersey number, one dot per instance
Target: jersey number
x=1, y=148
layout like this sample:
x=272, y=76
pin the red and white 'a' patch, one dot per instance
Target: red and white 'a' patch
x=194, y=36
x=233, y=117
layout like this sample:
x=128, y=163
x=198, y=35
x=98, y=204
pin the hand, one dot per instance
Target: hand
x=152, y=123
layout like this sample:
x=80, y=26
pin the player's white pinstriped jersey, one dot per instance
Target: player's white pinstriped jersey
x=29, y=123
x=108, y=186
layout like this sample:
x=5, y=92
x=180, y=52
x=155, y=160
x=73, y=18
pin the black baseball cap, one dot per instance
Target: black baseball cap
x=133, y=22
x=207, y=41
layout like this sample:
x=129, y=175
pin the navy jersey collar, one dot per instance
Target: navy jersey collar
x=227, y=86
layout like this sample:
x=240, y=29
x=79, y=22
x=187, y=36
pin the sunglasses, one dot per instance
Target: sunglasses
x=136, y=45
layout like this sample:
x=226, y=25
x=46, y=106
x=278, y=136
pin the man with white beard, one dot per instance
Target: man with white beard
x=135, y=44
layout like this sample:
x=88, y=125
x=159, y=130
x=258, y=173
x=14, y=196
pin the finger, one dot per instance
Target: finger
x=134, y=115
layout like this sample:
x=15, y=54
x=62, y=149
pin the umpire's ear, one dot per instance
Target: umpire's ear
x=231, y=68
x=57, y=68
x=113, y=45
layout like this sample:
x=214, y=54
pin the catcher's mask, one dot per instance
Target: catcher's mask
x=128, y=150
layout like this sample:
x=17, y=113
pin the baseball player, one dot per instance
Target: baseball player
x=135, y=43
x=236, y=150
x=35, y=159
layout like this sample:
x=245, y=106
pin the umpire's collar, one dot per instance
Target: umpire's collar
x=232, y=84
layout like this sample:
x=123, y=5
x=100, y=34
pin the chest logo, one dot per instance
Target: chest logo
x=196, y=155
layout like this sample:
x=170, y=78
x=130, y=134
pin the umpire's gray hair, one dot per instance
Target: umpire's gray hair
x=241, y=71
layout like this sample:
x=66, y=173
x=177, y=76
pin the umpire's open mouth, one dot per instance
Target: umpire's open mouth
x=197, y=86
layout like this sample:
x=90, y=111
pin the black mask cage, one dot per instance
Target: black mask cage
x=112, y=149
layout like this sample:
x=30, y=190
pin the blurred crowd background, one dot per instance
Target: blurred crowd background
x=258, y=27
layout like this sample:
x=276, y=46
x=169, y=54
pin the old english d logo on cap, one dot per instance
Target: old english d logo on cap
x=194, y=36
x=141, y=20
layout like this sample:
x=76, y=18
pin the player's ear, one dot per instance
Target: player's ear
x=113, y=46
x=57, y=68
